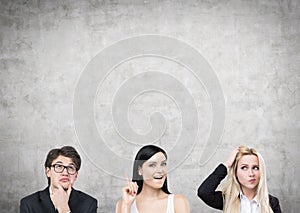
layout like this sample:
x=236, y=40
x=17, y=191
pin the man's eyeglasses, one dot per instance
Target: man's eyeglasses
x=59, y=168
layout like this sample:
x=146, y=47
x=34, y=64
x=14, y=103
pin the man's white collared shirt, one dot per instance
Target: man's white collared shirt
x=248, y=206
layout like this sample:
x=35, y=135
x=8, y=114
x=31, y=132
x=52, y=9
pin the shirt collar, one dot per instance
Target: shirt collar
x=242, y=196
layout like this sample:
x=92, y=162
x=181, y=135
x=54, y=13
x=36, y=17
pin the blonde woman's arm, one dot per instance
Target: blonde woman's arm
x=207, y=190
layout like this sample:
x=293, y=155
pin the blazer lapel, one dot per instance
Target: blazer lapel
x=46, y=202
x=73, y=200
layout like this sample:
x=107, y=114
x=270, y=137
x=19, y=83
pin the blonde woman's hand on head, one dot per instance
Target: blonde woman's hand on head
x=231, y=157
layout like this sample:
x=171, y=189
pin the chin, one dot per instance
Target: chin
x=65, y=186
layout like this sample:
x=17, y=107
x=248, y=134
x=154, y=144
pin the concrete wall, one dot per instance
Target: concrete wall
x=196, y=77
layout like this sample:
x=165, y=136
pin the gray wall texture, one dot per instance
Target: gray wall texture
x=198, y=78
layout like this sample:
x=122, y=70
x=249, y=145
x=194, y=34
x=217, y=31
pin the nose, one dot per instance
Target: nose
x=65, y=172
x=161, y=169
x=158, y=169
x=251, y=172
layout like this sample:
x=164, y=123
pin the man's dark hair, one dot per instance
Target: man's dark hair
x=66, y=151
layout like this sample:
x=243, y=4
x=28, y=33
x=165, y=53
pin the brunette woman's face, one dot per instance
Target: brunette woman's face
x=248, y=173
x=154, y=171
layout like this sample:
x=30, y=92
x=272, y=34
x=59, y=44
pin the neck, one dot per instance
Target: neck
x=151, y=193
x=250, y=194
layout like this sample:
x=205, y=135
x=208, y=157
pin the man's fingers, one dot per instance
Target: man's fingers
x=69, y=189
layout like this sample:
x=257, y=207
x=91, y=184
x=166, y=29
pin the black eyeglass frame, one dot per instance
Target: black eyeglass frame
x=64, y=167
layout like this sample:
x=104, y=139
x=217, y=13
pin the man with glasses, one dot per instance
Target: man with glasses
x=61, y=167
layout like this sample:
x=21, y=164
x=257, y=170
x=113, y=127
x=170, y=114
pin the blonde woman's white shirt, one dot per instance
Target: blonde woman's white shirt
x=170, y=207
x=248, y=206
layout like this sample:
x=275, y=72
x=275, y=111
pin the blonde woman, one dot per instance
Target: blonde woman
x=245, y=189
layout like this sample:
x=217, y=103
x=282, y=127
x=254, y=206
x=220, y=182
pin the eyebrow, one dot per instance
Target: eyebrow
x=245, y=164
x=157, y=161
x=60, y=162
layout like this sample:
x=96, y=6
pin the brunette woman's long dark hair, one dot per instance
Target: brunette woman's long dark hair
x=144, y=154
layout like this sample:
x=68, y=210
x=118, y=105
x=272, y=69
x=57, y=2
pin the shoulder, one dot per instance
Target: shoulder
x=181, y=203
x=34, y=200
x=118, y=205
x=179, y=198
x=34, y=196
x=274, y=203
x=273, y=199
x=83, y=196
x=30, y=198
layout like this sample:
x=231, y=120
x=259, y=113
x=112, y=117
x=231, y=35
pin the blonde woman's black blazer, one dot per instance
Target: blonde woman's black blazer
x=207, y=190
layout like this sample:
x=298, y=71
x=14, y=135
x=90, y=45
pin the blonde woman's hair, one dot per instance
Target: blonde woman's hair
x=232, y=189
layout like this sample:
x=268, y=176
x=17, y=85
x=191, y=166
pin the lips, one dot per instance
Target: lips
x=158, y=177
x=252, y=180
x=64, y=179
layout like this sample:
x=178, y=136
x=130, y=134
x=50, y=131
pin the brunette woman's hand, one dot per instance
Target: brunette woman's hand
x=129, y=192
x=231, y=157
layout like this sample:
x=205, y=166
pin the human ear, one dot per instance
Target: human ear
x=47, y=170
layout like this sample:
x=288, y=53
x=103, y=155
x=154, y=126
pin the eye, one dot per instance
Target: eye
x=244, y=168
x=152, y=165
x=164, y=164
x=256, y=168
x=58, y=166
x=71, y=168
